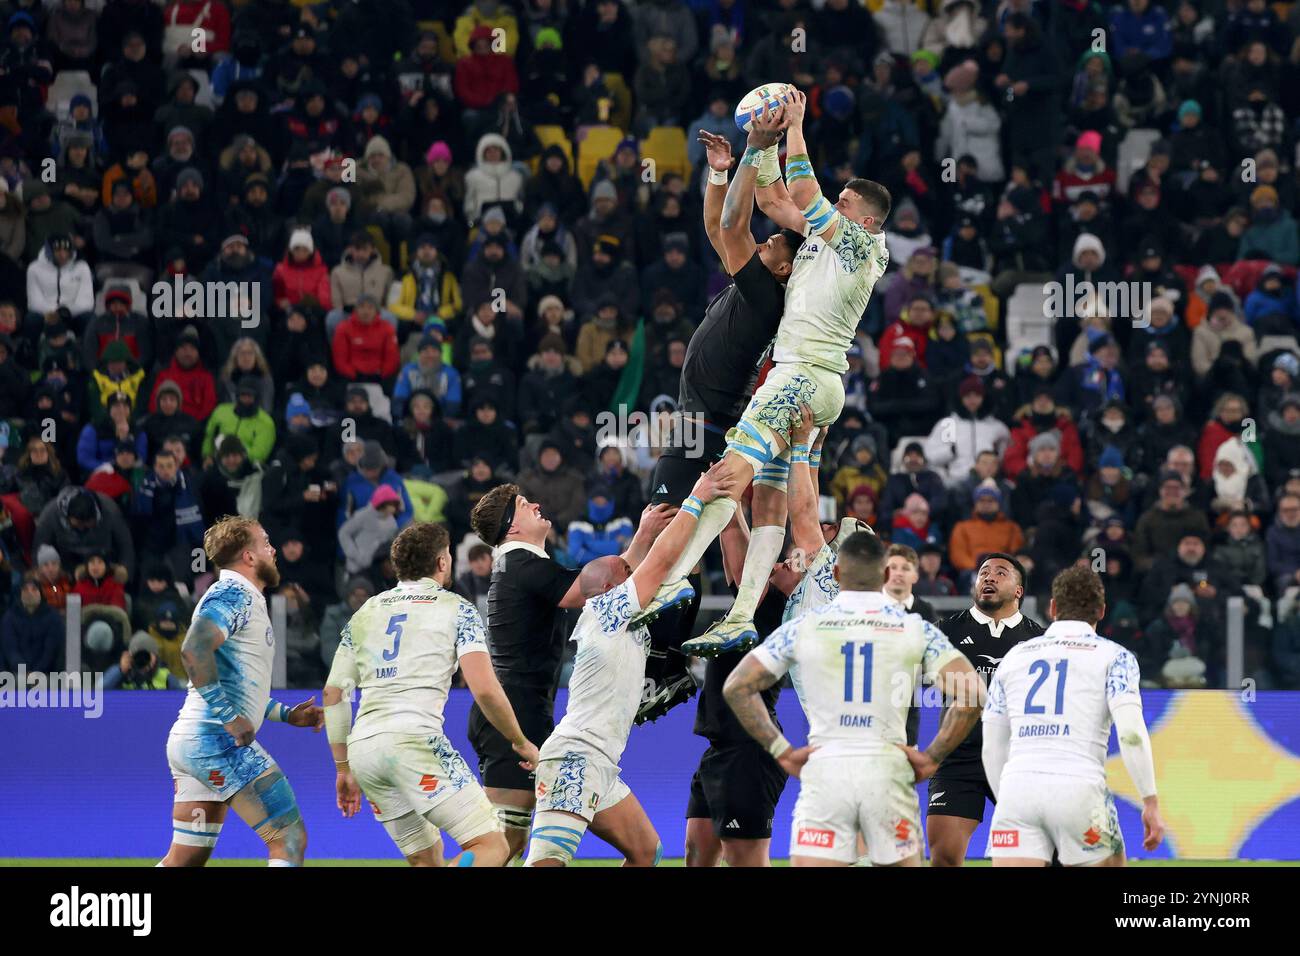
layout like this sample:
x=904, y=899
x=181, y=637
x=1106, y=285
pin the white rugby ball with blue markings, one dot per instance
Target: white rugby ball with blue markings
x=759, y=101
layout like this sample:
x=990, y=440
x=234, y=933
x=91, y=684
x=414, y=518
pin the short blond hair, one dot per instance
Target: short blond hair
x=903, y=551
x=1079, y=595
x=224, y=541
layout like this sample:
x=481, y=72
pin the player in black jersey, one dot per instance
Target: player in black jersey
x=984, y=633
x=735, y=791
x=723, y=360
x=526, y=636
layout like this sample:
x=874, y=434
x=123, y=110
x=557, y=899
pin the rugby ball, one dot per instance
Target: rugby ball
x=758, y=101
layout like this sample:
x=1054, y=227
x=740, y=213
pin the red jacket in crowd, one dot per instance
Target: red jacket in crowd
x=482, y=77
x=366, y=350
x=1017, y=455
x=293, y=281
x=104, y=591
x=198, y=389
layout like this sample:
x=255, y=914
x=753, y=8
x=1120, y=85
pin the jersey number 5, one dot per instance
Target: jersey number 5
x=864, y=650
x=395, y=628
x=1043, y=669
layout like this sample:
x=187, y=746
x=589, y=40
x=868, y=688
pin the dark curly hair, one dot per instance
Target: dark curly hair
x=416, y=548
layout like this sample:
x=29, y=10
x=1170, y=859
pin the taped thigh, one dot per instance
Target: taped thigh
x=555, y=837
x=269, y=807
x=412, y=833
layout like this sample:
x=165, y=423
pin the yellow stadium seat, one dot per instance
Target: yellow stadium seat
x=595, y=143
x=666, y=145
x=621, y=114
x=552, y=136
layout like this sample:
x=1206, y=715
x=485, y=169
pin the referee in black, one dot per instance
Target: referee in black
x=723, y=360
x=983, y=632
x=526, y=636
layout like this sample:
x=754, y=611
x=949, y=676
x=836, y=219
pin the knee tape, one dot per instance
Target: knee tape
x=751, y=442
x=659, y=853
x=512, y=817
x=776, y=474
x=412, y=833
x=279, y=804
x=555, y=837
x=195, y=833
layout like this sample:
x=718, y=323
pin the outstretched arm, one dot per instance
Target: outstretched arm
x=804, y=192
x=738, y=207
x=718, y=155
x=672, y=542
x=806, y=529
x=654, y=518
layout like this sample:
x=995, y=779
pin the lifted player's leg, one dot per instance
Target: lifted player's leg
x=196, y=824
x=270, y=808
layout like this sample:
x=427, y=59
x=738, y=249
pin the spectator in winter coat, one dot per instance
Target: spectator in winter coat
x=167, y=517
x=602, y=532
x=985, y=531
x=302, y=275
x=957, y=439
x=372, y=472
x=1273, y=233
x=97, y=444
x=57, y=279
x=388, y=186
x=1283, y=541
x=364, y=347
x=119, y=323
x=78, y=523
x=911, y=524
x=1227, y=421
x=555, y=486
x=486, y=435
x=1160, y=528
x=552, y=378
x=32, y=633
x=484, y=74
x=361, y=273
x=198, y=387
x=493, y=180
x=369, y=529
x=243, y=418
x=494, y=274
x=1242, y=553
x=914, y=478
x=1282, y=441
x=904, y=399
x=96, y=584
x=429, y=373
x=429, y=289
x=970, y=125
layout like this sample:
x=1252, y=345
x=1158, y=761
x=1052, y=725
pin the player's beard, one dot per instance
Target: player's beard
x=268, y=573
x=991, y=605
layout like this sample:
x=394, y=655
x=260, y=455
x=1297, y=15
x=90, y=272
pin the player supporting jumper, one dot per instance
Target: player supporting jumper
x=718, y=379
x=1046, y=726
x=578, y=783
x=983, y=632
x=228, y=654
x=859, y=658
x=834, y=273
x=401, y=649
x=526, y=639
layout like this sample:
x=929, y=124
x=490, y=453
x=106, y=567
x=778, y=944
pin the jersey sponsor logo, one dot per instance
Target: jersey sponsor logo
x=1006, y=838
x=429, y=783
x=662, y=489
x=270, y=635
x=903, y=830
x=818, y=838
x=935, y=796
x=968, y=640
x=990, y=659
x=733, y=825
x=217, y=779
x=594, y=801
x=541, y=789
x=1091, y=837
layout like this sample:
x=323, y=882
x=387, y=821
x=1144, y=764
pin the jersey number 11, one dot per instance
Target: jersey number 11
x=863, y=650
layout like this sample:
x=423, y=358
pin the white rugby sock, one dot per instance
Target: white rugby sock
x=765, y=545
x=715, y=516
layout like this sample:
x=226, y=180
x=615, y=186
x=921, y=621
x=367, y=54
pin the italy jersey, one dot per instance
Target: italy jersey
x=816, y=588
x=1057, y=691
x=859, y=659
x=828, y=292
x=608, y=676
x=244, y=659
x=401, y=650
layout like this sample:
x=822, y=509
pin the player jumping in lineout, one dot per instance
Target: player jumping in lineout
x=215, y=761
x=859, y=658
x=1046, y=726
x=401, y=649
x=835, y=270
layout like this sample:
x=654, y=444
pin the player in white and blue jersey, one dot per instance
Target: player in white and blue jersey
x=860, y=657
x=215, y=761
x=1047, y=723
x=578, y=783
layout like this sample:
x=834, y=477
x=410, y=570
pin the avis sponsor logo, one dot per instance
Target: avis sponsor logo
x=1006, y=838
x=76, y=909
x=818, y=838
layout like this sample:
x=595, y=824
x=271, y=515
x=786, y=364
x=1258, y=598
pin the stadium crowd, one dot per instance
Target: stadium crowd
x=464, y=235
